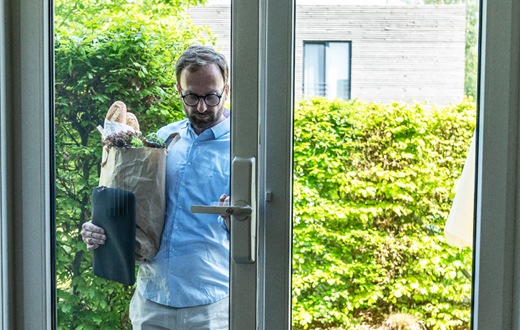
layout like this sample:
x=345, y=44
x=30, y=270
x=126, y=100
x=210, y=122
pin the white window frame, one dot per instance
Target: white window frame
x=26, y=298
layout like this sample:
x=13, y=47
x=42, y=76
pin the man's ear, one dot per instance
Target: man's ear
x=227, y=91
x=178, y=88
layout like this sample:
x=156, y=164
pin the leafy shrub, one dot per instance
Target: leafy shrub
x=373, y=186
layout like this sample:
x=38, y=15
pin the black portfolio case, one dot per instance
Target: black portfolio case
x=114, y=211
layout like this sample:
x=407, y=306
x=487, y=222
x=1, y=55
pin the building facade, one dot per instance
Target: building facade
x=380, y=53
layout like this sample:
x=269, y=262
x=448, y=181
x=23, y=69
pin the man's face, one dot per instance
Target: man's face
x=204, y=81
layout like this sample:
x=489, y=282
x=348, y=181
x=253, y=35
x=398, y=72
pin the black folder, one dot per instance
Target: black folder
x=114, y=211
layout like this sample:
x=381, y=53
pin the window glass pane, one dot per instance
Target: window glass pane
x=338, y=70
x=375, y=174
x=108, y=51
x=314, y=71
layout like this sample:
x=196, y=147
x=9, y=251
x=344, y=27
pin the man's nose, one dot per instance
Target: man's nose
x=201, y=106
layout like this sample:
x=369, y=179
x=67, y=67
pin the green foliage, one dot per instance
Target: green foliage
x=373, y=186
x=105, y=51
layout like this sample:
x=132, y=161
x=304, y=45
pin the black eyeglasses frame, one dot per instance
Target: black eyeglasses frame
x=183, y=96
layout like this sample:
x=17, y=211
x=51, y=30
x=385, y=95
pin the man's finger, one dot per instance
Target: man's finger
x=99, y=236
x=89, y=226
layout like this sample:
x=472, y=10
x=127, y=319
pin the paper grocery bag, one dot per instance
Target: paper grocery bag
x=143, y=172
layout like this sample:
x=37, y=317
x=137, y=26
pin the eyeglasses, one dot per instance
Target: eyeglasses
x=211, y=99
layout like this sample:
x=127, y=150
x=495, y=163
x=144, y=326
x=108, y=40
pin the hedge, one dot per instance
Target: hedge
x=373, y=185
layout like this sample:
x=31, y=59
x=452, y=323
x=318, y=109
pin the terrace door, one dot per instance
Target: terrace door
x=262, y=286
x=262, y=98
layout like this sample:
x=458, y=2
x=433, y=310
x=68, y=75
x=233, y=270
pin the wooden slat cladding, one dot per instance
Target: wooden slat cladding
x=399, y=53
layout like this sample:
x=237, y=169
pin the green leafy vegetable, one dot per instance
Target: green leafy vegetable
x=154, y=141
x=136, y=142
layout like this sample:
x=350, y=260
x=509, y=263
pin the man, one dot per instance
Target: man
x=186, y=285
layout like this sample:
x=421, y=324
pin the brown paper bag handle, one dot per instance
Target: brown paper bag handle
x=104, y=158
x=174, y=137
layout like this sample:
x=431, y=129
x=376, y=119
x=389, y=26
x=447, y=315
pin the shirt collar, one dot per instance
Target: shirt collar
x=221, y=128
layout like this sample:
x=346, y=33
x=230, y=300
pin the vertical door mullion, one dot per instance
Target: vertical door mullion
x=245, y=77
x=262, y=103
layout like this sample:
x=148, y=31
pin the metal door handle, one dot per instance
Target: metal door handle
x=242, y=210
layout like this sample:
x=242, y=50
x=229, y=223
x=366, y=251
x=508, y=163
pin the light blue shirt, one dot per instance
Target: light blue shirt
x=192, y=265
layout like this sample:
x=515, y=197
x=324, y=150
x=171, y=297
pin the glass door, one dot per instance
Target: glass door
x=27, y=218
x=454, y=265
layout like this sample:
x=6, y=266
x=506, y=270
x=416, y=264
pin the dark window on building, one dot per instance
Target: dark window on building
x=326, y=69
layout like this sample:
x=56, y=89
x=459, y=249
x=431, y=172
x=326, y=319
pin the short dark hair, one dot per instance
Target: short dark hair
x=198, y=56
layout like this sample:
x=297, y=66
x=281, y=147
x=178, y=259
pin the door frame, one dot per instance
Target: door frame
x=496, y=271
x=26, y=195
x=26, y=165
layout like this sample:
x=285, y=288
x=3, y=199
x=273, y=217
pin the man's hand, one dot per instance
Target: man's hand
x=93, y=235
x=224, y=201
